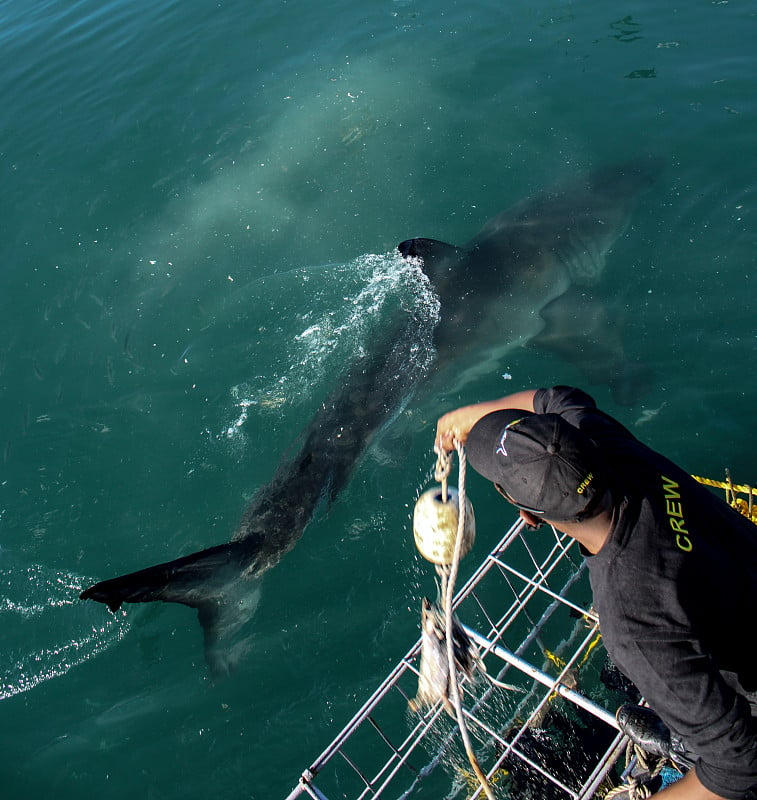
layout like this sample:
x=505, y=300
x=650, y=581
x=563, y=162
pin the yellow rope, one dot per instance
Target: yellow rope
x=560, y=663
x=594, y=642
x=473, y=783
x=746, y=507
x=727, y=485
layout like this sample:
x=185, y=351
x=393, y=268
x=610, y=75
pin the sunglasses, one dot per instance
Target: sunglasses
x=516, y=504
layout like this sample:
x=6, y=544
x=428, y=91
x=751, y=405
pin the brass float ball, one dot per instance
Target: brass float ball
x=435, y=525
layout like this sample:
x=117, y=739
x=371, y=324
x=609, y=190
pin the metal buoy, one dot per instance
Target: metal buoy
x=435, y=525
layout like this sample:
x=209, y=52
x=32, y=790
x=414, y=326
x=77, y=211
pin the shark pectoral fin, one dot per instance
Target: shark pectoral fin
x=210, y=615
x=578, y=328
x=429, y=250
x=224, y=618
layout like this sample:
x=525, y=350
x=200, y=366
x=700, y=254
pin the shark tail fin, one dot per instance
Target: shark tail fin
x=204, y=581
x=184, y=580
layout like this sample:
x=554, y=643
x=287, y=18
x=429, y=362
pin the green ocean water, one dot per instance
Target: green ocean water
x=199, y=210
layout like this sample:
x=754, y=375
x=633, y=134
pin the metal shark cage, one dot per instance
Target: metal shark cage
x=546, y=729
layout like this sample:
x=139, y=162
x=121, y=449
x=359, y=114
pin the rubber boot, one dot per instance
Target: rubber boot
x=644, y=728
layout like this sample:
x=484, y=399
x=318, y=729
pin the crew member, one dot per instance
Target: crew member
x=673, y=568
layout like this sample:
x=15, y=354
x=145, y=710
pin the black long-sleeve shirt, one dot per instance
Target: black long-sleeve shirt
x=675, y=586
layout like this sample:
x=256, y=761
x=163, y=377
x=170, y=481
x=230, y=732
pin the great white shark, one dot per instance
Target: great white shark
x=527, y=277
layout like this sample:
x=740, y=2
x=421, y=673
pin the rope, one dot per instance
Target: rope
x=727, y=485
x=636, y=787
x=442, y=473
x=746, y=507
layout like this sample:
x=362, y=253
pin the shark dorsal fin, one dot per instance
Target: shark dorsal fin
x=430, y=251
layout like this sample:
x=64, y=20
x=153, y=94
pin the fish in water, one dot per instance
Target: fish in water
x=526, y=277
x=434, y=672
x=529, y=277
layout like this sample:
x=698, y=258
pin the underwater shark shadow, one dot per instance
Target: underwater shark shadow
x=525, y=278
x=529, y=278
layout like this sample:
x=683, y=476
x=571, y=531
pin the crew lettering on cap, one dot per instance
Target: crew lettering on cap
x=584, y=485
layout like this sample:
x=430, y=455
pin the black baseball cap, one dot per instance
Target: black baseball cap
x=541, y=462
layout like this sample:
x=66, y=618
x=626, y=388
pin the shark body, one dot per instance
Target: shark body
x=526, y=277
x=222, y=582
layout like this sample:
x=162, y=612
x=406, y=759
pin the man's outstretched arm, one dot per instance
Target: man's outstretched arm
x=458, y=423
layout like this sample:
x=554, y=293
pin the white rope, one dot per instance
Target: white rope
x=448, y=587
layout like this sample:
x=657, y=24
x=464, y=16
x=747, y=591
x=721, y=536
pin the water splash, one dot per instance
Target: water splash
x=46, y=630
x=351, y=302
